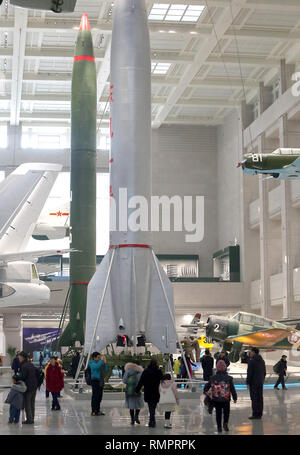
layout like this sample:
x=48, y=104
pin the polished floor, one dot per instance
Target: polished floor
x=281, y=417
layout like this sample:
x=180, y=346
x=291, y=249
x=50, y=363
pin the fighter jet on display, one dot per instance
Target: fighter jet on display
x=57, y=6
x=244, y=330
x=22, y=196
x=283, y=164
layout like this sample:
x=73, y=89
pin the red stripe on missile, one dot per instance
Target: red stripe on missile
x=84, y=57
x=80, y=282
x=130, y=245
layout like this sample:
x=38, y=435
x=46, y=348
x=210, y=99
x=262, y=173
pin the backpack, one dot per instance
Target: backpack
x=131, y=385
x=39, y=377
x=88, y=375
x=276, y=368
x=220, y=390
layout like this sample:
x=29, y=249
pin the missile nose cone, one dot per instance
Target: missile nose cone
x=84, y=24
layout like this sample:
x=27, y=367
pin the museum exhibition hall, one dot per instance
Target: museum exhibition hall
x=149, y=210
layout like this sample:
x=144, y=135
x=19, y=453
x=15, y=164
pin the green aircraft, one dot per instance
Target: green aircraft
x=282, y=164
x=245, y=329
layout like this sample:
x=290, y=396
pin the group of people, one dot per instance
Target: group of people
x=219, y=387
x=25, y=382
x=159, y=389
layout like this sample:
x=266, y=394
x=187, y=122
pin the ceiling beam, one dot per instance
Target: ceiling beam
x=18, y=64
x=66, y=98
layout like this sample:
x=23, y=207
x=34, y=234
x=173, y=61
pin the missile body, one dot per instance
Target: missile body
x=83, y=182
x=129, y=288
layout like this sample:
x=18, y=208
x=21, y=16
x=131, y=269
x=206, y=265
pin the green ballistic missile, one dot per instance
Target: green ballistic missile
x=83, y=182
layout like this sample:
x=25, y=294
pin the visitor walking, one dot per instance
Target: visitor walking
x=16, y=399
x=219, y=389
x=280, y=369
x=54, y=382
x=16, y=363
x=98, y=368
x=133, y=401
x=169, y=398
x=256, y=374
x=207, y=363
x=29, y=376
x=150, y=380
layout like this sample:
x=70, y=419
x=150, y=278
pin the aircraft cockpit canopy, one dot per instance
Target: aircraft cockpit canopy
x=286, y=151
x=255, y=320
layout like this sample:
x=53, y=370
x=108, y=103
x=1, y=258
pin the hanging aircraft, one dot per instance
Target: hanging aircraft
x=283, y=163
x=22, y=196
x=244, y=330
x=57, y=6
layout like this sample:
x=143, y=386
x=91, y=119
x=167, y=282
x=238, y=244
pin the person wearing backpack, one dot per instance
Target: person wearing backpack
x=169, y=397
x=133, y=401
x=98, y=368
x=221, y=389
x=29, y=376
x=54, y=382
x=280, y=369
x=150, y=380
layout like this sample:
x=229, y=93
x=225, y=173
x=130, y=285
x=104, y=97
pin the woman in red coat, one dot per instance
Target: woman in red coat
x=54, y=382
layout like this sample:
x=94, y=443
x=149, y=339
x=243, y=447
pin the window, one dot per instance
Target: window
x=45, y=137
x=160, y=68
x=175, y=12
x=6, y=291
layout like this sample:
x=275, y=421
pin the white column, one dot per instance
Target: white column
x=12, y=329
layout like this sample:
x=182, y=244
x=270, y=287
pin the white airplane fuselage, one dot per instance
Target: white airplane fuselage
x=20, y=286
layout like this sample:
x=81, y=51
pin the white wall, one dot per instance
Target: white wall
x=184, y=163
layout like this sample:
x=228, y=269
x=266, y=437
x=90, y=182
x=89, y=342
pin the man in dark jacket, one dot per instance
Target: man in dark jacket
x=223, y=356
x=256, y=374
x=281, y=368
x=15, y=363
x=150, y=380
x=207, y=363
x=29, y=376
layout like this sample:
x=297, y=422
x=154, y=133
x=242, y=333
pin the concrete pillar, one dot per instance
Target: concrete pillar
x=265, y=98
x=12, y=329
x=270, y=233
x=289, y=137
x=286, y=72
x=14, y=140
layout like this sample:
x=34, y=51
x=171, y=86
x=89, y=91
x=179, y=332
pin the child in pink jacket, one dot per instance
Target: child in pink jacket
x=169, y=398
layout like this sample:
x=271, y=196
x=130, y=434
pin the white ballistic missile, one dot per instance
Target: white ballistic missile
x=130, y=294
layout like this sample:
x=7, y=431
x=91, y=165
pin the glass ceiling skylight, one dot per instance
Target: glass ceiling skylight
x=175, y=13
x=160, y=68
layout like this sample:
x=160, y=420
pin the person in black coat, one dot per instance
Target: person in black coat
x=256, y=374
x=281, y=368
x=29, y=376
x=207, y=363
x=221, y=387
x=74, y=364
x=16, y=364
x=150, y=380
x=223, y=356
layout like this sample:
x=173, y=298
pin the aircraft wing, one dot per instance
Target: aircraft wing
x=22, y=197
x=263, y=338
x=31, y=255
